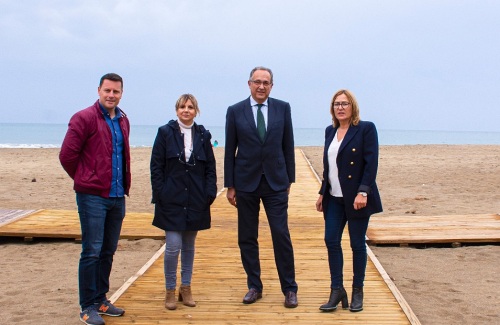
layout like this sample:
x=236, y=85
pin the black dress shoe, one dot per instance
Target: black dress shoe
x=252, y=296
x=291, y=300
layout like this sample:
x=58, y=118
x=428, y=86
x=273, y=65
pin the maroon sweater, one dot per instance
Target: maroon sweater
x=86, y=152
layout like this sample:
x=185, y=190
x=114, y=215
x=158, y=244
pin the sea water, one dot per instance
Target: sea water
x=33, y=135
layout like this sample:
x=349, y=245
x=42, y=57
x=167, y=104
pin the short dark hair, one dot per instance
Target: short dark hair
x=112, y=77
x=261, y=68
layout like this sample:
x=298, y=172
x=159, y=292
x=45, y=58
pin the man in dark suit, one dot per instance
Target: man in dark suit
x=259, y=164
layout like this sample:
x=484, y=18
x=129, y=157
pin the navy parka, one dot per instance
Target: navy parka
x=182, y=192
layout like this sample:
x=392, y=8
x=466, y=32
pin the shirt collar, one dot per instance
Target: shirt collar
x=118, y=112
x=254, y=103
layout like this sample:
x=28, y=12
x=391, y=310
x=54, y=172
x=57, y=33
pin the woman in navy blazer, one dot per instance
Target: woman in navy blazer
x=348, y=194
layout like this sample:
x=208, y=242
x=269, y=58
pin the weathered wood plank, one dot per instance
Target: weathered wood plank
x=477, y=228
x=66, y=224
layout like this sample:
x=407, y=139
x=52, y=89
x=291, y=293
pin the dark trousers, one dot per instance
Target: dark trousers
x=101, y=222
x=276, y=206
x=335, y=221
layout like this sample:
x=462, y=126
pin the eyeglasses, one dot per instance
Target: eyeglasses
x=343, y=104
x=182, y=159
x=259, y=83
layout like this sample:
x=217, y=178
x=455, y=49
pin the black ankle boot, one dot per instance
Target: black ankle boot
x=336, y=295
x=356, y=299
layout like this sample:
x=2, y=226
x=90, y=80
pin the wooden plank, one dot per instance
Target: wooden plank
x=397, y=294
x=66, y=224
x=470, y=228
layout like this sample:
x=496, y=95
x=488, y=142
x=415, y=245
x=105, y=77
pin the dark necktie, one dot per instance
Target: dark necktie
x=261, y=123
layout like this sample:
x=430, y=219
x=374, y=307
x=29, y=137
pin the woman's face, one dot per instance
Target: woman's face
x=342, y=108
x=186, y=113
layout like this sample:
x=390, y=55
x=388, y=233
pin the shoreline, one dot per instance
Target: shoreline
x=51, y=136
x=50, y=146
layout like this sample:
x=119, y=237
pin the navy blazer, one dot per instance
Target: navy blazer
x=246, y=158
x=357, y=163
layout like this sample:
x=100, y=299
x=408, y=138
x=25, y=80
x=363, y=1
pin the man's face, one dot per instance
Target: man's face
x=110, y=94
x=260, y=85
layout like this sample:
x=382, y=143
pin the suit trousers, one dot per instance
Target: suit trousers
x=276, y=207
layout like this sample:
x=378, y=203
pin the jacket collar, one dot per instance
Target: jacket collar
x=351, y=132
x=197, y=135
x=99, y=108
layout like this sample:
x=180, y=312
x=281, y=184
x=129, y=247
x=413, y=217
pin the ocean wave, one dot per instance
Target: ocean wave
x=29, y=146
x=45, y=146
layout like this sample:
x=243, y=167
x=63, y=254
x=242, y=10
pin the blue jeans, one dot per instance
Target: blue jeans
x=101, y=222
x=335, y=221
x=179, y=242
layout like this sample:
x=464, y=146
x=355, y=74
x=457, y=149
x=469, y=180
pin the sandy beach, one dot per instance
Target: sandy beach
x=443, y=285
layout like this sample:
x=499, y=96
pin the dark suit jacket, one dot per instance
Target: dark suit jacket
x=357, y=163
x=246, y=158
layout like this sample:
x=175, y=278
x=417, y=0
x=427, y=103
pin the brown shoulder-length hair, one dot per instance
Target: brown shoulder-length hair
x=184, y=98
x=354, y=106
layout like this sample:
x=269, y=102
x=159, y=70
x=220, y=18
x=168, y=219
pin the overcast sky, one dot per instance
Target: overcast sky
x=416, y=65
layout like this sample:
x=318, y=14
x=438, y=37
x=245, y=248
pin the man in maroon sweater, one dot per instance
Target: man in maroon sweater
x=96, y=155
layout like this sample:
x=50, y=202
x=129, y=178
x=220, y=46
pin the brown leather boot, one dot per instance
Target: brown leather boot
x=186, y=297
x=170, y=299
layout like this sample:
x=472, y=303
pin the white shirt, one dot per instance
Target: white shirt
x=188, y=138
x=333, y=171
x=263, y=109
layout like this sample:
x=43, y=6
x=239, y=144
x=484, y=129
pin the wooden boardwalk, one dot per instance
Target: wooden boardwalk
x=66, y=224
x=468, y=228
x=219, y=281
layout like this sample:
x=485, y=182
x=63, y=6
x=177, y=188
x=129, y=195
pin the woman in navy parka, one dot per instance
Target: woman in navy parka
x=184, y=184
